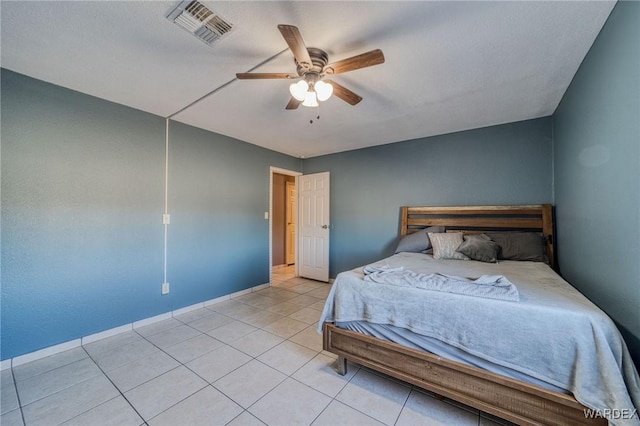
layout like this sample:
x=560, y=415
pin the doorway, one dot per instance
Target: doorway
x=283, y=222
x=290, y=221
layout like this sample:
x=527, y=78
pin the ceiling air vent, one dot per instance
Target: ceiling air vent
x=200, y=21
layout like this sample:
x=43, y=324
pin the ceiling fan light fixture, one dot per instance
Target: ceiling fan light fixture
x=299, y=90
x=312, y=66
x=323, y=90
x=310, y=99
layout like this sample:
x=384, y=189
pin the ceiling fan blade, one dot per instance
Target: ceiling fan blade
x=294, y=39
x=374, y=57
x=264, y=75
x=345, y=94
x=293, y=103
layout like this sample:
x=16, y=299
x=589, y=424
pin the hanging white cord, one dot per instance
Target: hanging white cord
x=166, y=152
x=217, y=89
x=166, y=196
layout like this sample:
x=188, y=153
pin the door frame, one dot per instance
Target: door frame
x=291, y=222
x=272, y=171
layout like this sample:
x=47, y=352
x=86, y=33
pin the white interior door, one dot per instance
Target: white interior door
x=313, y=226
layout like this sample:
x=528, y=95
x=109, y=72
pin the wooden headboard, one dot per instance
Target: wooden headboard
x=536, y=217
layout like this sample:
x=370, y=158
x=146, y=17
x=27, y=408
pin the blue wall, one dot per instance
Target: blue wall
x=218, y=193
x=507, y=164
x=82, y=201
x=597, y=173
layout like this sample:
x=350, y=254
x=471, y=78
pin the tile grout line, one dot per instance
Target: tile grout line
x=404, y=404
x=45, y=372
x=334, y=398
x=290, y=376
x=181, y=364
x=194, y=372
x=144, y=421
x=15, y=387
x=228, y=373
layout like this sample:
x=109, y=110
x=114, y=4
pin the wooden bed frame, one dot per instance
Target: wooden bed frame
x=507, y=398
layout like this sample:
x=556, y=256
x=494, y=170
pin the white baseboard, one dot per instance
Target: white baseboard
x=261, y=287
x=107, y=333
x=188, y=309
x=241, y=293
x=152, y=320
x=5, y=364
x=52, y=350
x=43, y=353
x=217, y=300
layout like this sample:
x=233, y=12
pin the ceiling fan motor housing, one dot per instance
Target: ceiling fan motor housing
x=319, y=60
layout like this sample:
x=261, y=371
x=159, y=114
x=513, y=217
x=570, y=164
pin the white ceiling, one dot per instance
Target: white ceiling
x=450, y=66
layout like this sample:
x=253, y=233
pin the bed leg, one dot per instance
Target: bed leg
x=342, y=365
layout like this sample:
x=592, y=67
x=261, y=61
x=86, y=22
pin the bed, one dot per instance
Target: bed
x=446, y=342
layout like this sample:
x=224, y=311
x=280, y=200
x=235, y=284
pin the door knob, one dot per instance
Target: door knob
x=325, y=226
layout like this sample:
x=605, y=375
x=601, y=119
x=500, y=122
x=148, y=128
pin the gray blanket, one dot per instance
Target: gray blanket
x=553, y=333
x=488, y=286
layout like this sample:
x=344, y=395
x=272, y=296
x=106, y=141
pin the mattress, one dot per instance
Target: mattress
x=553, y=335
x=413, y=340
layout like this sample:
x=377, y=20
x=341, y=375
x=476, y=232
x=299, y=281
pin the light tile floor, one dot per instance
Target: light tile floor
x=252, y=360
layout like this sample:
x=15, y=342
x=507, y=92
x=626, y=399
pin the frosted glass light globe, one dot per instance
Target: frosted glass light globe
x=323, y=90
x=299, y=90
x=310, y=99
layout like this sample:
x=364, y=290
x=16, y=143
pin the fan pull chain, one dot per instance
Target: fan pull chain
x=318, y=116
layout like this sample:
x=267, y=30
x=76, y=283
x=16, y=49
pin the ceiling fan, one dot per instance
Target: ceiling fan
x=312, y=68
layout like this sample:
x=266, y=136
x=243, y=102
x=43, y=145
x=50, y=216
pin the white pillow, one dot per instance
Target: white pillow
x=445, y=245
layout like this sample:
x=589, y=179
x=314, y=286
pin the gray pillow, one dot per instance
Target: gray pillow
x=418, y=241
x=479, y=247
x=520, y=246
